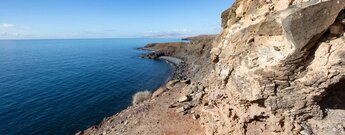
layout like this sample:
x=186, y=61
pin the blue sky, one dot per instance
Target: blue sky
x=25, y=19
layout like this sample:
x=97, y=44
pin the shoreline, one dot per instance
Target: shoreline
x=173, y=60
x=162, y=111
x=176, y=63
x=178, y=67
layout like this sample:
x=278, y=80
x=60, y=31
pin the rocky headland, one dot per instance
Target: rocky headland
x=278, y=67
x=187, y=57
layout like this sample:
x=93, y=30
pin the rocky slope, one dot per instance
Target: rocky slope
x=276, y=68
x=150, y=117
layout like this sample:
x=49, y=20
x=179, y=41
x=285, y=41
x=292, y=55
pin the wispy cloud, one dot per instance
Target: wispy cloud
x=184, y=31
x=169, y=35
x=94, y=34
x=8, y=34
x=178, y=33
x=11, y=31
x=7, y=30
x=7, y=26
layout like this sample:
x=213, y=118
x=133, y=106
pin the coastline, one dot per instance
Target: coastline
x=162, y=111
x=173, y=60
x=177, y=64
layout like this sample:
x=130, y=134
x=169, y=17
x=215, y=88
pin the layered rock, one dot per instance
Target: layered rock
x=274, y=63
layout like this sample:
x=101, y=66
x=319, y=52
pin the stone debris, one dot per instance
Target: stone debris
x=192, y=98
x=173, y=105
x=196, y=116
x=170, y=85
x=180, y=109
x=183, y=99
x=158, y=92
x=188, y=81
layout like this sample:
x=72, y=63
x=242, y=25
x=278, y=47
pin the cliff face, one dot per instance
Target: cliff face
x=279, y=69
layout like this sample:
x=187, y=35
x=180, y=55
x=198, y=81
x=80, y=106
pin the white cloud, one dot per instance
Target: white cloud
x=7, y=25
x=184, y=31
x=11, y=31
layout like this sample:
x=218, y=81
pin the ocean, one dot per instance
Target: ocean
x=59, y=87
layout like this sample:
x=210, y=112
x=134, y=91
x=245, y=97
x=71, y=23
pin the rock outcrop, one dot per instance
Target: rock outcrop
x=194, y=56
x=162, y=49
x=278, y=67
x=275, y=62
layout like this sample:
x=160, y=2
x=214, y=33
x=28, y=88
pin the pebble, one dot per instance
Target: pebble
x=337, y=29
x=183, y=99
x=179, y=110
x=209, y=107
x=171, y=106
x=201, y=88
x=186, y=106
x=194, y=103
x=192, y=90
x=186, y=81
x=198, y=96
x=170, y=85
x=196, y=116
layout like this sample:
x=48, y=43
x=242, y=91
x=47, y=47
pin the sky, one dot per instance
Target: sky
x=50, y=19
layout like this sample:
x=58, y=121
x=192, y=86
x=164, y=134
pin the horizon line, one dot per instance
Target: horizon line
x=89, y=38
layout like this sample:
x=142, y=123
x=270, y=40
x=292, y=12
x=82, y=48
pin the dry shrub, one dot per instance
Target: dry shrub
x=141, y=97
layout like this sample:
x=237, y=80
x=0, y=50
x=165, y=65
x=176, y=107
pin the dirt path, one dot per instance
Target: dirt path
x=152, y=117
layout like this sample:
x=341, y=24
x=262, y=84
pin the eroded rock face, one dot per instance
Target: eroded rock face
x=275, y=60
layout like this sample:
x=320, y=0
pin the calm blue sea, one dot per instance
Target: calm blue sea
x=63, y=86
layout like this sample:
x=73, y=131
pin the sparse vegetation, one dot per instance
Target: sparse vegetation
x=141, y=97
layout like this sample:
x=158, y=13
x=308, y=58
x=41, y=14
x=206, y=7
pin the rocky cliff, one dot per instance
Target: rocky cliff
x=278, y=67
